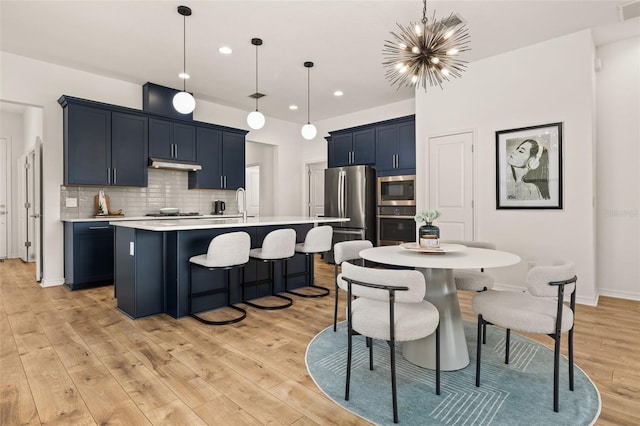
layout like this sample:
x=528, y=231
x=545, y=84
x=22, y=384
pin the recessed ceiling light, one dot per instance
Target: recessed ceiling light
x=225, y=50
x=293, y=107
x=338, y=93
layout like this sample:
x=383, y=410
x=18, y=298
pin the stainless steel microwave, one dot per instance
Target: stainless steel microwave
x=397, y=190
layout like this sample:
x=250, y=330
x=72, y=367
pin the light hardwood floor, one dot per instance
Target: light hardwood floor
x=72, y=358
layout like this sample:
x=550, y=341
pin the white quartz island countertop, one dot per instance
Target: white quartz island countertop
x=189, y=223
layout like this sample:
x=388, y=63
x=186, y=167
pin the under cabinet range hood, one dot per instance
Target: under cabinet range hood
x=162, y=163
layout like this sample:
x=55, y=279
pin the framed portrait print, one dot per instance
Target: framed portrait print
x=529, y=167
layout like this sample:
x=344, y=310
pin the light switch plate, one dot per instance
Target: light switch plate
x=72, y=202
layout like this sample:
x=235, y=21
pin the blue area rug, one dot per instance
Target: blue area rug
x=515, y=394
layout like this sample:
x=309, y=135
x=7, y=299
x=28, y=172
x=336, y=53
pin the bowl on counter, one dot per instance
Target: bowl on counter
x=169, y=210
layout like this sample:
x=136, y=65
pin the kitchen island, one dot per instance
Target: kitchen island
x=151, y=262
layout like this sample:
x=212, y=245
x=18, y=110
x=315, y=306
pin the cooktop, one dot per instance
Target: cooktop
x=173, y=214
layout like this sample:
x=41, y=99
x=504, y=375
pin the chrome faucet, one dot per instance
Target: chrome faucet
x=244, y=202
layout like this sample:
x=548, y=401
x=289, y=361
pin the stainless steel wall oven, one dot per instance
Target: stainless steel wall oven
x=396, y=225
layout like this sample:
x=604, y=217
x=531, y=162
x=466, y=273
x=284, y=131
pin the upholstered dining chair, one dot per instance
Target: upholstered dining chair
x=389, y=306
x=225, y=252
x=342, y=252
x=317, y=240
x=473, y=280
x=470, y=280
x=541, y=310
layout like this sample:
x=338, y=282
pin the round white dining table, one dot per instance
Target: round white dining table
x=441, y=291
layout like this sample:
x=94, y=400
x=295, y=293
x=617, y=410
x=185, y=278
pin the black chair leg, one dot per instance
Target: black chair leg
x=571, y=359
x=508, y=346
x=394, y=395
x=369, y=343
x=556, y=367
x=349, y=348
x=438, y=360
x=478, y=350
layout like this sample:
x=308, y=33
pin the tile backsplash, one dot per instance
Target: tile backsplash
x=166, y=188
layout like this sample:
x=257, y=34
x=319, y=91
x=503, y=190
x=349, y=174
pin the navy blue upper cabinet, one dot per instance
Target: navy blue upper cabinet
x=396, y=148
x=129, y=149
x=221, y=154
x=347, y=148
x=172, y=140
x=102, y=147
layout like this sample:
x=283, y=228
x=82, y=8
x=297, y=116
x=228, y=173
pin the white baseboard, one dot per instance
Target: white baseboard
x=52, y=283
x=619, y=294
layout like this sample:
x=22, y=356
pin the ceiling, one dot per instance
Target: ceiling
x=140, y=41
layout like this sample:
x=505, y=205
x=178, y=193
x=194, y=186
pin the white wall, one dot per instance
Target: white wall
x=12, y=129
x=618, y=169
x=38, y=83
x=544, y=83
x=262, y=155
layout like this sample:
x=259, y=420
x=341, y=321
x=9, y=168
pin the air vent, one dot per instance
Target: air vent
x=629, y=10
x=453, y=20
x=257, y=95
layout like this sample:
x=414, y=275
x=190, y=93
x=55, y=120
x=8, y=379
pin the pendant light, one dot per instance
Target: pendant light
x=308, y=130
x=255, y=119
x=183, y=101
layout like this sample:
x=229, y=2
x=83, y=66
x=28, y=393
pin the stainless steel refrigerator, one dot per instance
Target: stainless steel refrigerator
x=350, y=192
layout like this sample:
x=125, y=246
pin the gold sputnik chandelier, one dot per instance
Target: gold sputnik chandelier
x=427, y=52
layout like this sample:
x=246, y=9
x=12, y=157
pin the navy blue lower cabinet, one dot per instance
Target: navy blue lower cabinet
x=153, y=271
x=88, y=254
x=139, y=272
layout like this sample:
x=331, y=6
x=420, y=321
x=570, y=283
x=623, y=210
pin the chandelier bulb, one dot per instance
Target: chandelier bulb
x=435, y=60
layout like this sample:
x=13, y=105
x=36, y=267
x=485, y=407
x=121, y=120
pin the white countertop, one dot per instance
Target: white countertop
x=210, y=222
x=147, y=218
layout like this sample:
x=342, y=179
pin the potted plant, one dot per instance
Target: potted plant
x=428, y=233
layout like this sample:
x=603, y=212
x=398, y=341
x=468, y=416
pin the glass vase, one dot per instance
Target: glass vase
x=429, y=236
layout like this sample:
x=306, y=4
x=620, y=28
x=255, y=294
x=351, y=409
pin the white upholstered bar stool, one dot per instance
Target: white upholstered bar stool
x=342, y=252
x=225, y=252
x=317, y=240
x=278, y=246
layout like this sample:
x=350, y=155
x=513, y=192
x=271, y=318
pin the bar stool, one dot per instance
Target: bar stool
x=343, y=251
x=317, y=240
x=278, y=246
x=226, y=252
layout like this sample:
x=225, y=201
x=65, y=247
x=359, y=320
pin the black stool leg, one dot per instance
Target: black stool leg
x=289, y=301
x=324, y=291
x=227, y=290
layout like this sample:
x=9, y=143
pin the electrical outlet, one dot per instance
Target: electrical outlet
x=72, y=202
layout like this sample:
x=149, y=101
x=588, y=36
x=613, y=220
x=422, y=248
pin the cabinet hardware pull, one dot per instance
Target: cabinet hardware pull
x=115, y=176
x=109, y=175
x=225, y=182
x=176, y=150
x=98, y=227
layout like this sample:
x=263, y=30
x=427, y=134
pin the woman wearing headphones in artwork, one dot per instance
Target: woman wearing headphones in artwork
x=529, y=163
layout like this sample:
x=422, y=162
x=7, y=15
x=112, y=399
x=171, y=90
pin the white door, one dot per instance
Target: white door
x=315, y=176
x=252, y=181
x=451, y=184
x=4, y=187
